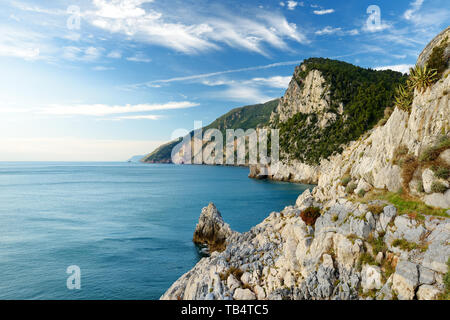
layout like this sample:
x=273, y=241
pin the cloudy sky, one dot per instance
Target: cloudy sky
x=93, y=80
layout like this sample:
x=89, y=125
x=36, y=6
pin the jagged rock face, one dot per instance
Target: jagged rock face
x=423, y=57
x=312, y=96
x=283, y=258
x=371, y=158
x=211, y=230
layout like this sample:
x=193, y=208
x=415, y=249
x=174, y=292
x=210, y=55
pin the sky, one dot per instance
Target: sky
x=98, y=80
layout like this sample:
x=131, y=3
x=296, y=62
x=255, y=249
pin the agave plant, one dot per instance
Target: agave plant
x=404, y=97
x=422, y=77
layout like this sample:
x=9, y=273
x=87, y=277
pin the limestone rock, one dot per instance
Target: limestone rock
x=243, y=294
x=427, y=179
x=211, y=229
x=427, y=292
x=405, y=280
x=439, y=200
x=371, y=278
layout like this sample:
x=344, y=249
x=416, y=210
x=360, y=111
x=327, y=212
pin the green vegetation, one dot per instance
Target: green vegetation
x=361, y=193
x=446, y=294
x=422, y=77
x=404, y=96
x=438, y=187
x=375, y=209
x=433, y=152
x=350, y=188
x=377, y=244
x=406, y=204
x=408, y=246
x=409, y=166
x=437, y=60
x=248, y=117
x=345, y=180
x=441, y=172
x=364, y=93
x=310, y=215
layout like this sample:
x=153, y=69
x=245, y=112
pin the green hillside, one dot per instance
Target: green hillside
x=364, y=93
x=253, y=116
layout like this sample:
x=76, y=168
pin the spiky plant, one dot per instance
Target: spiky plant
x=422, y=77
x=404, y=97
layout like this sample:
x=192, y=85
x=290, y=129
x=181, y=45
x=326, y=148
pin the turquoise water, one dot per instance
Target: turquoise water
x=127, y=226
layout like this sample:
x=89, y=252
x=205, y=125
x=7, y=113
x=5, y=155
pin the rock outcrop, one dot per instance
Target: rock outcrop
x=211, y=230
x=352, y=252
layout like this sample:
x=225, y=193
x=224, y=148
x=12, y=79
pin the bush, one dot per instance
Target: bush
x=437, y=60
x=438, y=187
x=345, y=180
x=310, y=215
x=404, y=97
x=441, y=172
x=351, y=187
x=375, y=209
x=422, y=77
x=409, y=166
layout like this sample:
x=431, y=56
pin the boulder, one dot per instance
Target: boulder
x=243, y=294
x=427, y=292
x=211, y=230
x=371, y=278
x=427, y=179
x=405, y=280
x=438, y=200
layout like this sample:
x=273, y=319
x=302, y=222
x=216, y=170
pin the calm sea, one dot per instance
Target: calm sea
x=127, y=226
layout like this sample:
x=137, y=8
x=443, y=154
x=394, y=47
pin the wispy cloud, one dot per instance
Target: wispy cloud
x=141, y=117
x=87, y=54
x=212, y=74
x=403, y=68
x=328, y=30
x=139, y=57
x=207, y=33
x=415, y=6
x=323, y=11
x=103, y=109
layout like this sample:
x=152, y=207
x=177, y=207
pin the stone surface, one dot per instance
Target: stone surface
x=427, y=292
x=439, y=200
x=244, y=294
x=405, y=280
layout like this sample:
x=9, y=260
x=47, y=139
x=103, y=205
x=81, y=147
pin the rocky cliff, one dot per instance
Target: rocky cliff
x=377, y=226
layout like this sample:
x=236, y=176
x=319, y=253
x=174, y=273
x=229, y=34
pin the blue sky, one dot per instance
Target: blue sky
x=104, y=80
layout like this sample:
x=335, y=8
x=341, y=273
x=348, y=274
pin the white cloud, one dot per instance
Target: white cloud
x=102, y=68
x=323, y=11
x=141, y=117
x=115, y=54
x=196, y=33
x=72, y=149
x=415, y=6
x=403, y=68
x=103, y=109
x=328, y=30
x=139, y=57
x=244, y=95
x=212, y=74
x=292, y=4
x=87, y=54
x=273, y=82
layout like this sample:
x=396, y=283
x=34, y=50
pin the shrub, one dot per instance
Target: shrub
x=375, y=209
x=441, y=172
x=419, y=187
x=350, y=187
x=404, y=97
x=399, y=153
x=438, y=187
x=422, y=77
x=345, y=180
x=409, y=166
x=361, y=193
x=437, y=60
x=310, y=215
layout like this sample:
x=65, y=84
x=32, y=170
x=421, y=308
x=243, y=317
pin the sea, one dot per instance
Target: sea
x=116, y=230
